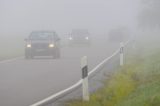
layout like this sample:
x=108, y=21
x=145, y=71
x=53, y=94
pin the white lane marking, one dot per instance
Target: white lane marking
x=10, y=60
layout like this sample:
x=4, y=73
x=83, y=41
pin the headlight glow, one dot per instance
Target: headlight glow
x=87, y=38
x=70, y=38
x=29, y=45
x=51, y=45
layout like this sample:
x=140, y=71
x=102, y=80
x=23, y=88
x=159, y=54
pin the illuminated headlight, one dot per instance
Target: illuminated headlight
x=87, y=38
x=29, y=45
x=70, y=38
x=51, y=45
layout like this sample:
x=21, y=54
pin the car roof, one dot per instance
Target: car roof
x=43, y=31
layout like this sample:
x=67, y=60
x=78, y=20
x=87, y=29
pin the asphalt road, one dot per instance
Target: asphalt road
x=24, y=82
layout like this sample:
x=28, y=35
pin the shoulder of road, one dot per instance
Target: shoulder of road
x=136, y=84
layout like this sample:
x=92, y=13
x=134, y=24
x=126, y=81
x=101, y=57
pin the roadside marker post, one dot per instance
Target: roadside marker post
x=85, y=87
x=121, y=54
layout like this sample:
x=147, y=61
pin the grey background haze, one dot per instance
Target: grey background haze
x=34, y=80
x=20, y=17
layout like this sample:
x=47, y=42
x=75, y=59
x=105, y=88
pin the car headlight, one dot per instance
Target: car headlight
x=70, y=38
x=51, y=45
x=87, y=38
x=29, y=45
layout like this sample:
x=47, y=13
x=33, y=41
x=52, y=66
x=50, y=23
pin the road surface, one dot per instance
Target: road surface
x=24, y=82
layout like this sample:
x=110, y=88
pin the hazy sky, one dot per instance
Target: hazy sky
x=23, y=16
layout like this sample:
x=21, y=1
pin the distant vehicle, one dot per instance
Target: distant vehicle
x=118, y=35
x=79, y=36
x=42, y=43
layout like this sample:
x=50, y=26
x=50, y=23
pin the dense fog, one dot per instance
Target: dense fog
x=20, y=17
x=64, y=31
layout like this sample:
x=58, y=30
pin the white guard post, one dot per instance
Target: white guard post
x=121, y=54
x=85, y=87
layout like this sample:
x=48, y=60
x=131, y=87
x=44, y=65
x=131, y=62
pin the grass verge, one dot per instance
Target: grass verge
x=136, y=84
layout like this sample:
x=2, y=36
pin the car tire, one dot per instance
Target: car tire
x=57, y=54
x=26, y=55
x=29, y=55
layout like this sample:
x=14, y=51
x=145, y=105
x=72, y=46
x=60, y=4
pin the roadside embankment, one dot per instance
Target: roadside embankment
x=137, y=83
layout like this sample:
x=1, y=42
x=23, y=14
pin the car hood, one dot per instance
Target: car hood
x=41, y=41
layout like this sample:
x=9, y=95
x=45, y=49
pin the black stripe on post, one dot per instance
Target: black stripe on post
x=121, y=50
x=84, y=72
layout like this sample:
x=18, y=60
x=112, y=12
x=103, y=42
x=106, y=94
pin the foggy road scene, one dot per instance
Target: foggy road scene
x=29, y=81
x=79, y=52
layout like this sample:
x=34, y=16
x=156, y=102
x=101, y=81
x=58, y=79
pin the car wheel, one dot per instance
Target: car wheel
x=29, y=56
x=26, y=55
x=56, y=54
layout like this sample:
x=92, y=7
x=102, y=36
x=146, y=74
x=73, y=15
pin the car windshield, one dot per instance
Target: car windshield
x=80, y=33
x=41, y=35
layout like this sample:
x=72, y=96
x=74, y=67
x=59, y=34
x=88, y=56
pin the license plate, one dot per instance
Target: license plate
x=40, y=50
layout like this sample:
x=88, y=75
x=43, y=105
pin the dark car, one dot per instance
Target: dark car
x=79, y=36
x=42, y=43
